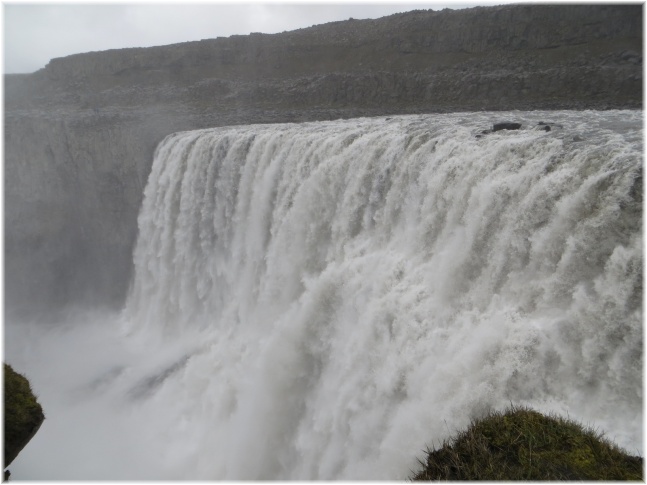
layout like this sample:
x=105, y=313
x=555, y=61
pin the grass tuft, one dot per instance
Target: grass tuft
x=522, y=444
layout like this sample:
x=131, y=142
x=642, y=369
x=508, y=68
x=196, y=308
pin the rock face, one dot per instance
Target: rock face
x=80, y=133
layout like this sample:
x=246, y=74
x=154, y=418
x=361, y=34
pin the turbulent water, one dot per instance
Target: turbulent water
x=324, y=300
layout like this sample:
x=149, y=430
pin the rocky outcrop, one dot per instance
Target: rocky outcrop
x=23, y=416
x=80, y=133
x=523, y=444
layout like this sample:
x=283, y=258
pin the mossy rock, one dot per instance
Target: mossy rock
x=22, y=414
x=522, y=444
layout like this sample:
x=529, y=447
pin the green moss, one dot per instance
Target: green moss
x=522, y=444
x=22, y=414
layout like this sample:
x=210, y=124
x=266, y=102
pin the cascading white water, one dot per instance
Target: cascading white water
x=323, y=300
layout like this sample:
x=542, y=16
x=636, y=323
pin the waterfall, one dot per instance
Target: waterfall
x=340, y=295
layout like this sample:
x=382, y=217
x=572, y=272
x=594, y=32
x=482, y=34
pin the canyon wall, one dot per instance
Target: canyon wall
x=80, y=133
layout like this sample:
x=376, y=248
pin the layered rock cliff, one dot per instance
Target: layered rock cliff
x=80, y=133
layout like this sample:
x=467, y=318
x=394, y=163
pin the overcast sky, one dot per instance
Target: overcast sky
x=36, y=33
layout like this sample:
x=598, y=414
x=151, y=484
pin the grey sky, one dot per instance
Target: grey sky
x=36, y=33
